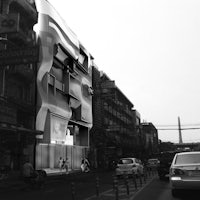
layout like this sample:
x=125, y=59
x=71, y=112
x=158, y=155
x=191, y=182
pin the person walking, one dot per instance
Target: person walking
x=82, y=165
x=60, y=163
x=66, y=165
x=85, y=165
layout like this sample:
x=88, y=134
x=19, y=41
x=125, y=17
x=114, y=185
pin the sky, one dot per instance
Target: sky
x=151, y=49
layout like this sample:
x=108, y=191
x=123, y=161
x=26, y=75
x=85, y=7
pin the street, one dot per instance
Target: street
x=83, y=185
x=160, y=190
x=86, y=186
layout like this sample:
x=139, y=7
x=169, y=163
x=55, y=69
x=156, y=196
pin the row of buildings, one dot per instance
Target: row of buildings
x=54, y=101
x=117, y=128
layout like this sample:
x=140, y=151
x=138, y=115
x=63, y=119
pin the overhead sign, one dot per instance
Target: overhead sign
x=9, y=23
x=19, y=56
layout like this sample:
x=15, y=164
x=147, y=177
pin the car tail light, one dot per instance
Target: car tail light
x=176, y=171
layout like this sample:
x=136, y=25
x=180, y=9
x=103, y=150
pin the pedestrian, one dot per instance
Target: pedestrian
x=63, y=163
x=82, y=165
x=85, y=165
x=28, y=171
x=66, y=166
x=30, y=175
x=60, y=163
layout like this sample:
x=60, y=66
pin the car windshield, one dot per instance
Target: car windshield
x=125, y=161
x=187, y=159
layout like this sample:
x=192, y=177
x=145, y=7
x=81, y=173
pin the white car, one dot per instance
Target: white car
x=129, y=166
x=185, y=172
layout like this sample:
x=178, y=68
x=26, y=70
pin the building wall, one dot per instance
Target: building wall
x=64, y=95
x=151, y=138
x=17, y=87
x=113, y=126
x=96, y=104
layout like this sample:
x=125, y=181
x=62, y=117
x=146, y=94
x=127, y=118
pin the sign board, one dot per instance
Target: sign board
x=9, y=23
x=19, y=56
x=58, y=130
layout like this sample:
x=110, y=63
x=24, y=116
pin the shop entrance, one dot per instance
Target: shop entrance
x=15, y=148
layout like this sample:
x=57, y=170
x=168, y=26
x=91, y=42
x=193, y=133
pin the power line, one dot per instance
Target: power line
x=172, y=125
x=175, y=129
x=195, y=140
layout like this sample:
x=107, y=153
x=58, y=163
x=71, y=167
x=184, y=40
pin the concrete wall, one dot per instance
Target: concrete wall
x=47, y=155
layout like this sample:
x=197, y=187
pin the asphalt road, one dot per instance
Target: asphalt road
x=84, y=185
x=160, y=190
x=60, y=188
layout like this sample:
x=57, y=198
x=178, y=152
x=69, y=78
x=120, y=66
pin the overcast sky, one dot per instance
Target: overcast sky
x=151, y=48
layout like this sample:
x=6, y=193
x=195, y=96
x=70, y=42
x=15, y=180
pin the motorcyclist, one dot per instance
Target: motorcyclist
x=29, y=174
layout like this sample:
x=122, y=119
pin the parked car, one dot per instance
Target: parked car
x=153, y=163
x=129, y=166
x=185, y=172
x=165, y=159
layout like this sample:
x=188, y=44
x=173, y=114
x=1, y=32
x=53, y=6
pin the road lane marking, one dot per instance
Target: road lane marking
x=122, y=191
x=141, y=189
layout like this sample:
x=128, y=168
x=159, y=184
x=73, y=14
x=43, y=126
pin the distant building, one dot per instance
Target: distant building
x=166, y=146
x=113, y=124
x=139, y=137
x=151, y=138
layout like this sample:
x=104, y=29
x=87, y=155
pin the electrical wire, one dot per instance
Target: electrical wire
x=175, y=129
x=172, y=125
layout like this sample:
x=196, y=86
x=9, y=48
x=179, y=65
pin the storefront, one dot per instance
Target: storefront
x=16, y=146
x=62, y=138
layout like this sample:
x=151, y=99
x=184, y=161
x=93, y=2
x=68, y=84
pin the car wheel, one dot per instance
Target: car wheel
x=175, y=192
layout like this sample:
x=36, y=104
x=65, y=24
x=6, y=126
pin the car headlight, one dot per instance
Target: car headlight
x=175, y=178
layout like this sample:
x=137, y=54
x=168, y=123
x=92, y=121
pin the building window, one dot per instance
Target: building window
x=83, y=60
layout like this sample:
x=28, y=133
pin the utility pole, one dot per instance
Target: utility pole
x=179, y=129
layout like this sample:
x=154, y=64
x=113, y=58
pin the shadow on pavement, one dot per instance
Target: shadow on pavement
x=189, y=195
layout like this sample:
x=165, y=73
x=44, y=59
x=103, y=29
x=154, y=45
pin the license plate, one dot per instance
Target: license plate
x=195, y=173
x=124, y=168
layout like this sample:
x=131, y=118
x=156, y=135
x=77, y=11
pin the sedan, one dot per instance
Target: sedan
x=129, y=166
x=185, y=172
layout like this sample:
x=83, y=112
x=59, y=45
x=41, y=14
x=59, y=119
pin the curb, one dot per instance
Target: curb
x=17, y=182
x=105, y=196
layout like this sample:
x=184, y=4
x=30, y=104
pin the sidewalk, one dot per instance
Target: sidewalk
x=57, y=172
x=14, y=181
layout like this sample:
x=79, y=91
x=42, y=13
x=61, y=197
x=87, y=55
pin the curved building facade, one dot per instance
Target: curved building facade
x=64, y=91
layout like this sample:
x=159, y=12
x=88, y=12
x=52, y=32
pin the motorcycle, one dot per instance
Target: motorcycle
x=37, y=180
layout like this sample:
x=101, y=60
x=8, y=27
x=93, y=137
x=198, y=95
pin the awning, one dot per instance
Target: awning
x=14, y=128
